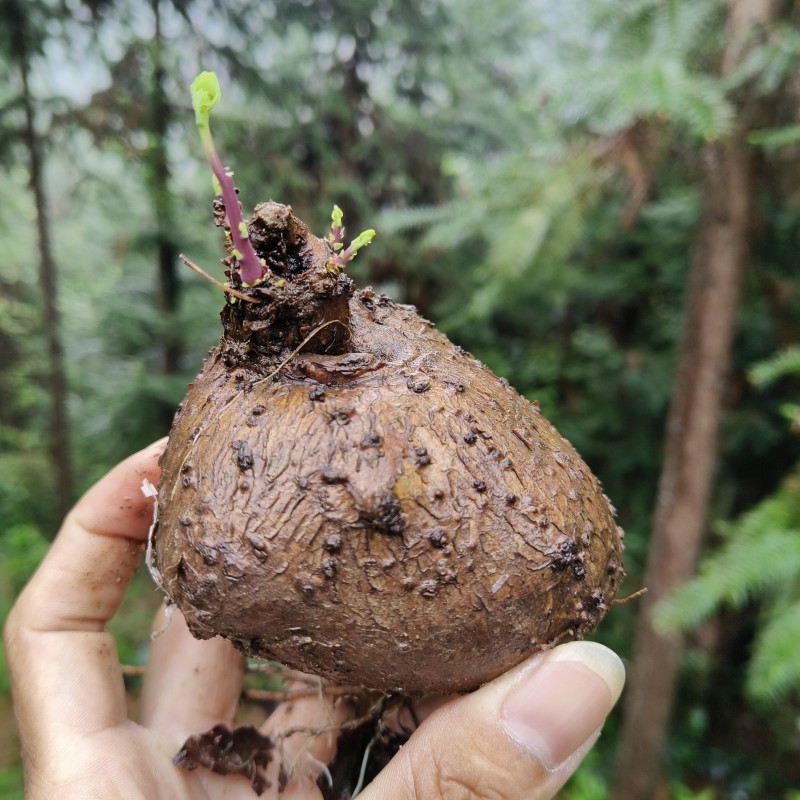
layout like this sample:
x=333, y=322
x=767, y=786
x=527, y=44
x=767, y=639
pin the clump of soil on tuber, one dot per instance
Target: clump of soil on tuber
x=347, y=492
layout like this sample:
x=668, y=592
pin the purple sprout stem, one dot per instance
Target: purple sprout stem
x=250, y=268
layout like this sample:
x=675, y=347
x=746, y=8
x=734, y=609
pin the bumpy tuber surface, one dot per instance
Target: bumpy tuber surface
x=347, y=492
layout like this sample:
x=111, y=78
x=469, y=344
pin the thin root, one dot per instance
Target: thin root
x=225, y=288
x=363, y=772
x=267, y=696
x=299, y=348
x=374, y=713
x=620, y=601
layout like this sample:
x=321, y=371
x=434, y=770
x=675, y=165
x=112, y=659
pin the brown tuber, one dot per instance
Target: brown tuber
x=347, y=492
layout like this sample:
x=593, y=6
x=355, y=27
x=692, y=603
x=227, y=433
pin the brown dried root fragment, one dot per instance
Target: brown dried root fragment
x=242, y=751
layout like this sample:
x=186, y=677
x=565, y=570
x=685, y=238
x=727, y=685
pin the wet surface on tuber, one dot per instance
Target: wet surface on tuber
x=348, y=493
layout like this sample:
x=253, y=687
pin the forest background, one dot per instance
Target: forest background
x=598, y=198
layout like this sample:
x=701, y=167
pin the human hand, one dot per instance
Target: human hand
x=520, y=736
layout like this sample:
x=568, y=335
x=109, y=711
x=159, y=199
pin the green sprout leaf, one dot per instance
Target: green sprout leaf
x=337, y=229
x=335, y=264
x=205, y=95
x=360, y=241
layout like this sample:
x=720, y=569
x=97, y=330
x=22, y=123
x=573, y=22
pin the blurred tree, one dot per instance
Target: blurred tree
x=162, y=199
x=139, y=95
x=19, y=33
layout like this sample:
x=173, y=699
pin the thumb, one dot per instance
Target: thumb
x=517, y=738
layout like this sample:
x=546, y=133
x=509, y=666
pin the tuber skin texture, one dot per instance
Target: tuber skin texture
x=347, y=492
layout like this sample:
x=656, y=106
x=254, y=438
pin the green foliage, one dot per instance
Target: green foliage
x=761, y=553
x=681, y=792
x=587, y=783
x=787, y=362
x=774, y=138
x=772, y=63
x=518, y=218
x=650, y=64
x=11, y=784
x=774, y=669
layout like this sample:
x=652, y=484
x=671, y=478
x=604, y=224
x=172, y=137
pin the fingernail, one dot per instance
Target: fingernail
x=563, y=700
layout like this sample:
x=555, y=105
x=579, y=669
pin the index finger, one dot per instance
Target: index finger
x=63, y=665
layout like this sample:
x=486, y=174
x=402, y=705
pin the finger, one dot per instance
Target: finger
x=313, y=724
x=190, y=685
x=520, y=736
x=63, y=666
x=83, y=578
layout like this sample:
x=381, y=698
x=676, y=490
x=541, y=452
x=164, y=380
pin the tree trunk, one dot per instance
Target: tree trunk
x=680, y=517
x=59, y=422
x=161, y=199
